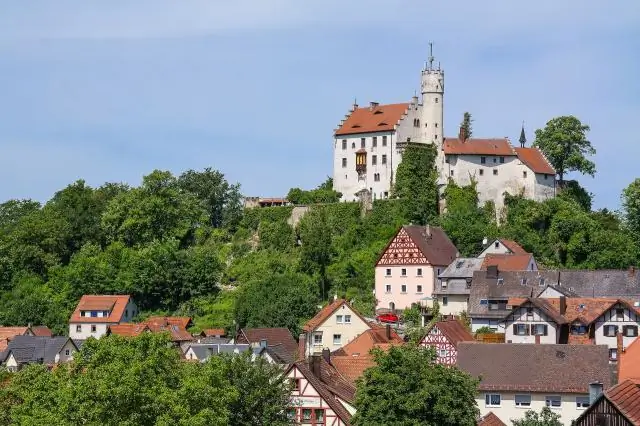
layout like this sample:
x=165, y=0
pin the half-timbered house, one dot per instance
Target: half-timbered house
x=534, y=320
x=617, y=406
x=444, y=337
x=408, y=267
x=320, y=395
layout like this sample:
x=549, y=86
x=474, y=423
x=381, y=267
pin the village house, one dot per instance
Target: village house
x=279, y=341
x=320, y=395
x=515, y=378
x=331, y=328
x=176, y=327
x=502, y=246
x=8, y=333
x=29, y=349
x=616, y=406
x=490, y=419
x=95, y=313
x=408, y=268
x=444, y=337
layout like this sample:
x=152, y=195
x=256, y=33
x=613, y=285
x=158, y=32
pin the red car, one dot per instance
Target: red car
x=387, y=318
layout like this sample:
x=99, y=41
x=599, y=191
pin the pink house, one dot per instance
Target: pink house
x=408, y=268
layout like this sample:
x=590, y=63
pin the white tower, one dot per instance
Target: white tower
x=432, y=120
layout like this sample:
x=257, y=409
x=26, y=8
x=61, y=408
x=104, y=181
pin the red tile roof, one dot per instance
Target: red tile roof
x=212, y=332
x=625, y=396
x=382, y=118
x=629, y=361
x=128, y=329
x=472, y=146
x=11, y=332
x=176, y=326
x=513, y=246
x=183, y=322
x=374, y=338
x=326, y=312
x=352, y=367
x=535, y=160
x=507, y=262
x=454, y=332
x=490, y=419
x=273, y=336
x=116, y=304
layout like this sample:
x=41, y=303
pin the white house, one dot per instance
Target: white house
x=95, y=313
x=28, y=349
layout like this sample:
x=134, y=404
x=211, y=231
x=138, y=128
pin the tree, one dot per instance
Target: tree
x=407, y=387
x=564, y=142
x=466, y=125
x=416, y=183
x=574, y=192
x=546, y=417
x=631, y=207
x=322, y=194
x=315, y=237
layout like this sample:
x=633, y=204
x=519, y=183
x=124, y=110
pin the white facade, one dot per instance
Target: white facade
x=526, y=324
x=514, y=405
x=81, y=330
x=623, y=319
x=340, y=328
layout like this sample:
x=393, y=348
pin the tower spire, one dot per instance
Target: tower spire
x=431, y=58
x=523, y=137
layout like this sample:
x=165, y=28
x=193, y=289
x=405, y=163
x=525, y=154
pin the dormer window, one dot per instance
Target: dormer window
x=496, y=244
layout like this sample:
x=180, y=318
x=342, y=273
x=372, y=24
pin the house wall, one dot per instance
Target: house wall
x=308, y=397
x=456, y=303
x=508, y=410
x=63, y=352
x=496, y=247
x=609, y=318
x=545, y=187
x=396, y=280
x=347, y=332
x=11, y=363
x=85, y=332
x=519, y=316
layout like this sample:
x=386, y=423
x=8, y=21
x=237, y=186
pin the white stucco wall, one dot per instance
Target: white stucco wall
x=401, y=299
x=520, y=317
x=85, y=330
x=347, y=332
x=456, y=303
x=63, y=352
x=609, y=319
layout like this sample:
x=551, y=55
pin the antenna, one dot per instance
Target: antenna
x=431, y=55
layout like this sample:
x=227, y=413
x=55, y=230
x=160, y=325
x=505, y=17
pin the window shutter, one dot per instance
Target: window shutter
x=515, y=329
x=546, y=329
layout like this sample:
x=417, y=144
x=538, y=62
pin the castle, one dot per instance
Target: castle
x=368, y=146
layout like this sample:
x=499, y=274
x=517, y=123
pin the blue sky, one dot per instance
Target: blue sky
x=110, y=90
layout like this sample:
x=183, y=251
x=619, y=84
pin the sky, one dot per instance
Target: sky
x=108, y=91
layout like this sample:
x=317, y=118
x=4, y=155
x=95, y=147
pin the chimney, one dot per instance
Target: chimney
x=314, y=364
x=326, y=354
x=619, y=352
x=462, y=135
x=632, y=271
x=335, y=297
x=427, y=230
x=595, y=390
x=537, y=339
x=263, y=343
x=492, y=271
x=563, y=305
x=302, y=344
x=388, y=332
x=373, y=105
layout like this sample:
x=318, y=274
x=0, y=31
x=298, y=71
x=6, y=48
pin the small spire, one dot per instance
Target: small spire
x=431, y=58
x=523, y=137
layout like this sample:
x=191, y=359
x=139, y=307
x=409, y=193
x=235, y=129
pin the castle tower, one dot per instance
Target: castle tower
x=432, y=120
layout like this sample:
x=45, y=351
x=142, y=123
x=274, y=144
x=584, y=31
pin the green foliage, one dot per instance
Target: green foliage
x=564, y=143
x=546, y=417
x=322, y=194
x=142, y=381
x=572, y=191
x=407, y=387
x=466, y=125
x=485, y=330
x=631, y=206
x=416, y=183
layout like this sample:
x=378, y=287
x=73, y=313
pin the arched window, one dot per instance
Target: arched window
x=417, y=123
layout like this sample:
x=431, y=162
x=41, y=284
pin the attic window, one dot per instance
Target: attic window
x=484, y=302
x=500, y=281
x=355, y=126
x=382, y=123
x=459, y=263
x=541, y=282
x=523, y=281
x=497, y=244
x=377, y=112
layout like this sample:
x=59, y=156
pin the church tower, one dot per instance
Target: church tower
x=432, y=87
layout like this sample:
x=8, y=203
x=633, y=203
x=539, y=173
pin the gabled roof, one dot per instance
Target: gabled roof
x=352, y=367
x=36, y=349
x=116, y=304
x=462, y=267
x=543, y=305
x=453, y=331
x=273, y=336
x=535, y=368
x=173, y=325
x=11, y=332
x=372, y=338
x=209, y=332
x=535, y=160
x=497, y=146
x=507, y=262
x=513, y=246
x=490, y=419
x=183, y=322
x=432, y=242
x=624, y=397
x=326, y=312
x=382, y=118
x=629, y=361
x=128, y=329
x=42, y=331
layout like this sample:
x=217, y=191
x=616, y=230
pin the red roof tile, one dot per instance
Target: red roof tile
x=374, y=338
x=352, y=367
x=114, y=303
x=11, y=332
x=454, y=331
x=490, y=419
x=128, y=329
x=326, y=312
x=513, y=246
x=183, y=322
x=472, y=146
x=42, y=331
x=507, y=262
x=625, y=396
x=382, y=118
x=535, y=160
x=176, y=326
x=629, y=361
x=213, y=332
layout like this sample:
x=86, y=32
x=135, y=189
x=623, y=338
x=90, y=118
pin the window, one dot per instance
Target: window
x=524, y=174
x=529, y=312
x=444, y=283
x=295, y=383
x=419, y=288
x=495, y=160
x=126, y=313
x=306, y=414
x=539, y=329
x=501, y=160
x=384, y=159
x=94, y=314
x=521, y=329
x=436, y=124
x=444, y=353
x=317, y=339
x=553, y=401
x=613, y=354
x=404, y=272
x=353, y=145
x=619, y=314
x=445, y=300
x=386, y=193
x=376, y=178
x=344, y=144
x=374, y=160
x=388, y=272
x=578, y=329
x=481, y=172
x=362, y=142
x=546, y=176
x=384, y=141
x=318, y=414
x=630, y=330
x=435, y=136
x=337, y=339
x=374, y=141
x=436, y=99
x=492, y=399
x=483, y=160
x=419, y=272
x=347, y=319
x=403, y=288
x=78, y=328
x=93, y=328
x=67, y=352
x=344, y=162
x=523, y=400
x=541, y=282
x=451, y=172
x=495, y=172
x=610, y=330
x=387, y=288
x=523, y=281
x=339, y=319
x=582, y=402
x=500, y=281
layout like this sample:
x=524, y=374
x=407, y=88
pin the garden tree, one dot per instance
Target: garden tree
x=631, y=207
x=13, y=210
x=277, y=236
x=416, y=183
x=466, y=125
x=221, y=200
x=276, y=300
x=574, y=192
x=546, y=417
x=406, y=387
x=322, y=194
x=315, y=238
x=564, y=142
